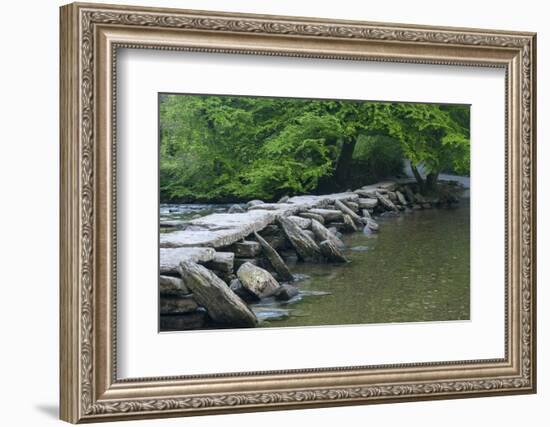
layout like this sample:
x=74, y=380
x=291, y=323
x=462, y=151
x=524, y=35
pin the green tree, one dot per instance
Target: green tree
x=293, y=160
x=434, y=136
x=223, y=148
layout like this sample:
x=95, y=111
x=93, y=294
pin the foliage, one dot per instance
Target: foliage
x=378, y=156
x=430, y=136
x=280, y=164
x=227, y=148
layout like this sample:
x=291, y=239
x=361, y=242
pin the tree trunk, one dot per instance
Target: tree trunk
x=418, y=177
x=343, y=165
x=431, y=180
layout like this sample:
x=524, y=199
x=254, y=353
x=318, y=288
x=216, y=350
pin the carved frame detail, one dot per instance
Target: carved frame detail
x=82, y=399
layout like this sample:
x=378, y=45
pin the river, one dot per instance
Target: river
x=417, y=268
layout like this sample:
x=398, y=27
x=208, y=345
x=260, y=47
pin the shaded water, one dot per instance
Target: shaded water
x=417, y=268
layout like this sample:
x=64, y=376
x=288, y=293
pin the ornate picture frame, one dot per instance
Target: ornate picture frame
x=90, y=37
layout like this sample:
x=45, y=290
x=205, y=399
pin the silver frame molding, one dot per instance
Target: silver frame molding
x=90, y=37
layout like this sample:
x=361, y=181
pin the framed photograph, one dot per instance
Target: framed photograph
x=266, y=212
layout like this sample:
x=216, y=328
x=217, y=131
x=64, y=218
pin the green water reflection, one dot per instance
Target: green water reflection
x=417, y=268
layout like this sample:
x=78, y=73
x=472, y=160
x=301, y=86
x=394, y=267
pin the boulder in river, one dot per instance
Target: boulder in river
x=328, y=214
x=386, y=202
x=274, y=259
x=257, y=280
x=254, y=203
x=246, y=249
x=367, y=231
x=212, y=293
x=366, y=193
x=312, y=215
x=178, y=305
x=236, y=209
x=401, y=197
x=305, y=246
x=331, y=252
x=419, y=198
x=222, y=261
x=349, y=212
x=303, y=223
x=183, y=322
x=354, y=206
x=277, y=242
x=286, y=292
x=340, y=227
x=170, y=258
x=271, y=230
x=349, y=224
x=335, y=231
x=310, y=234
x=172, y=286
x=371, y=225
x=322, y=233
x=367, y=203
x=237, y=287
x=283, y=199
x=388, y=185
x=241, y=261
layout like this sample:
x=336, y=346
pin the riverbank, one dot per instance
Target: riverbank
x=227, y=269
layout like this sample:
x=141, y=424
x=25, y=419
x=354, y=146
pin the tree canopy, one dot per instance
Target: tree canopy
x=228, y=148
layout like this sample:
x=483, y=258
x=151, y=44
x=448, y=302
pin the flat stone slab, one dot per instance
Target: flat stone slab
x=223, y=229
x=367, y=203
x=175, y=305
x=172, y=223
x=313, y=201
x=329, y=214
x=381, y=187
x=283, y=207
x=170, y=258
x=388, y=185
x=246, y=249
x=218, y=230
x=223, y=261
x=183, y=322
x=303, y=223
x=172, y=287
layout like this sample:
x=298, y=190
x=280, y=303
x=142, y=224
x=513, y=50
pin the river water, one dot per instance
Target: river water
x=417, y=268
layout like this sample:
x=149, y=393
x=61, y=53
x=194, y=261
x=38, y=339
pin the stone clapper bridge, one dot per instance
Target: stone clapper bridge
x=215, y=266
